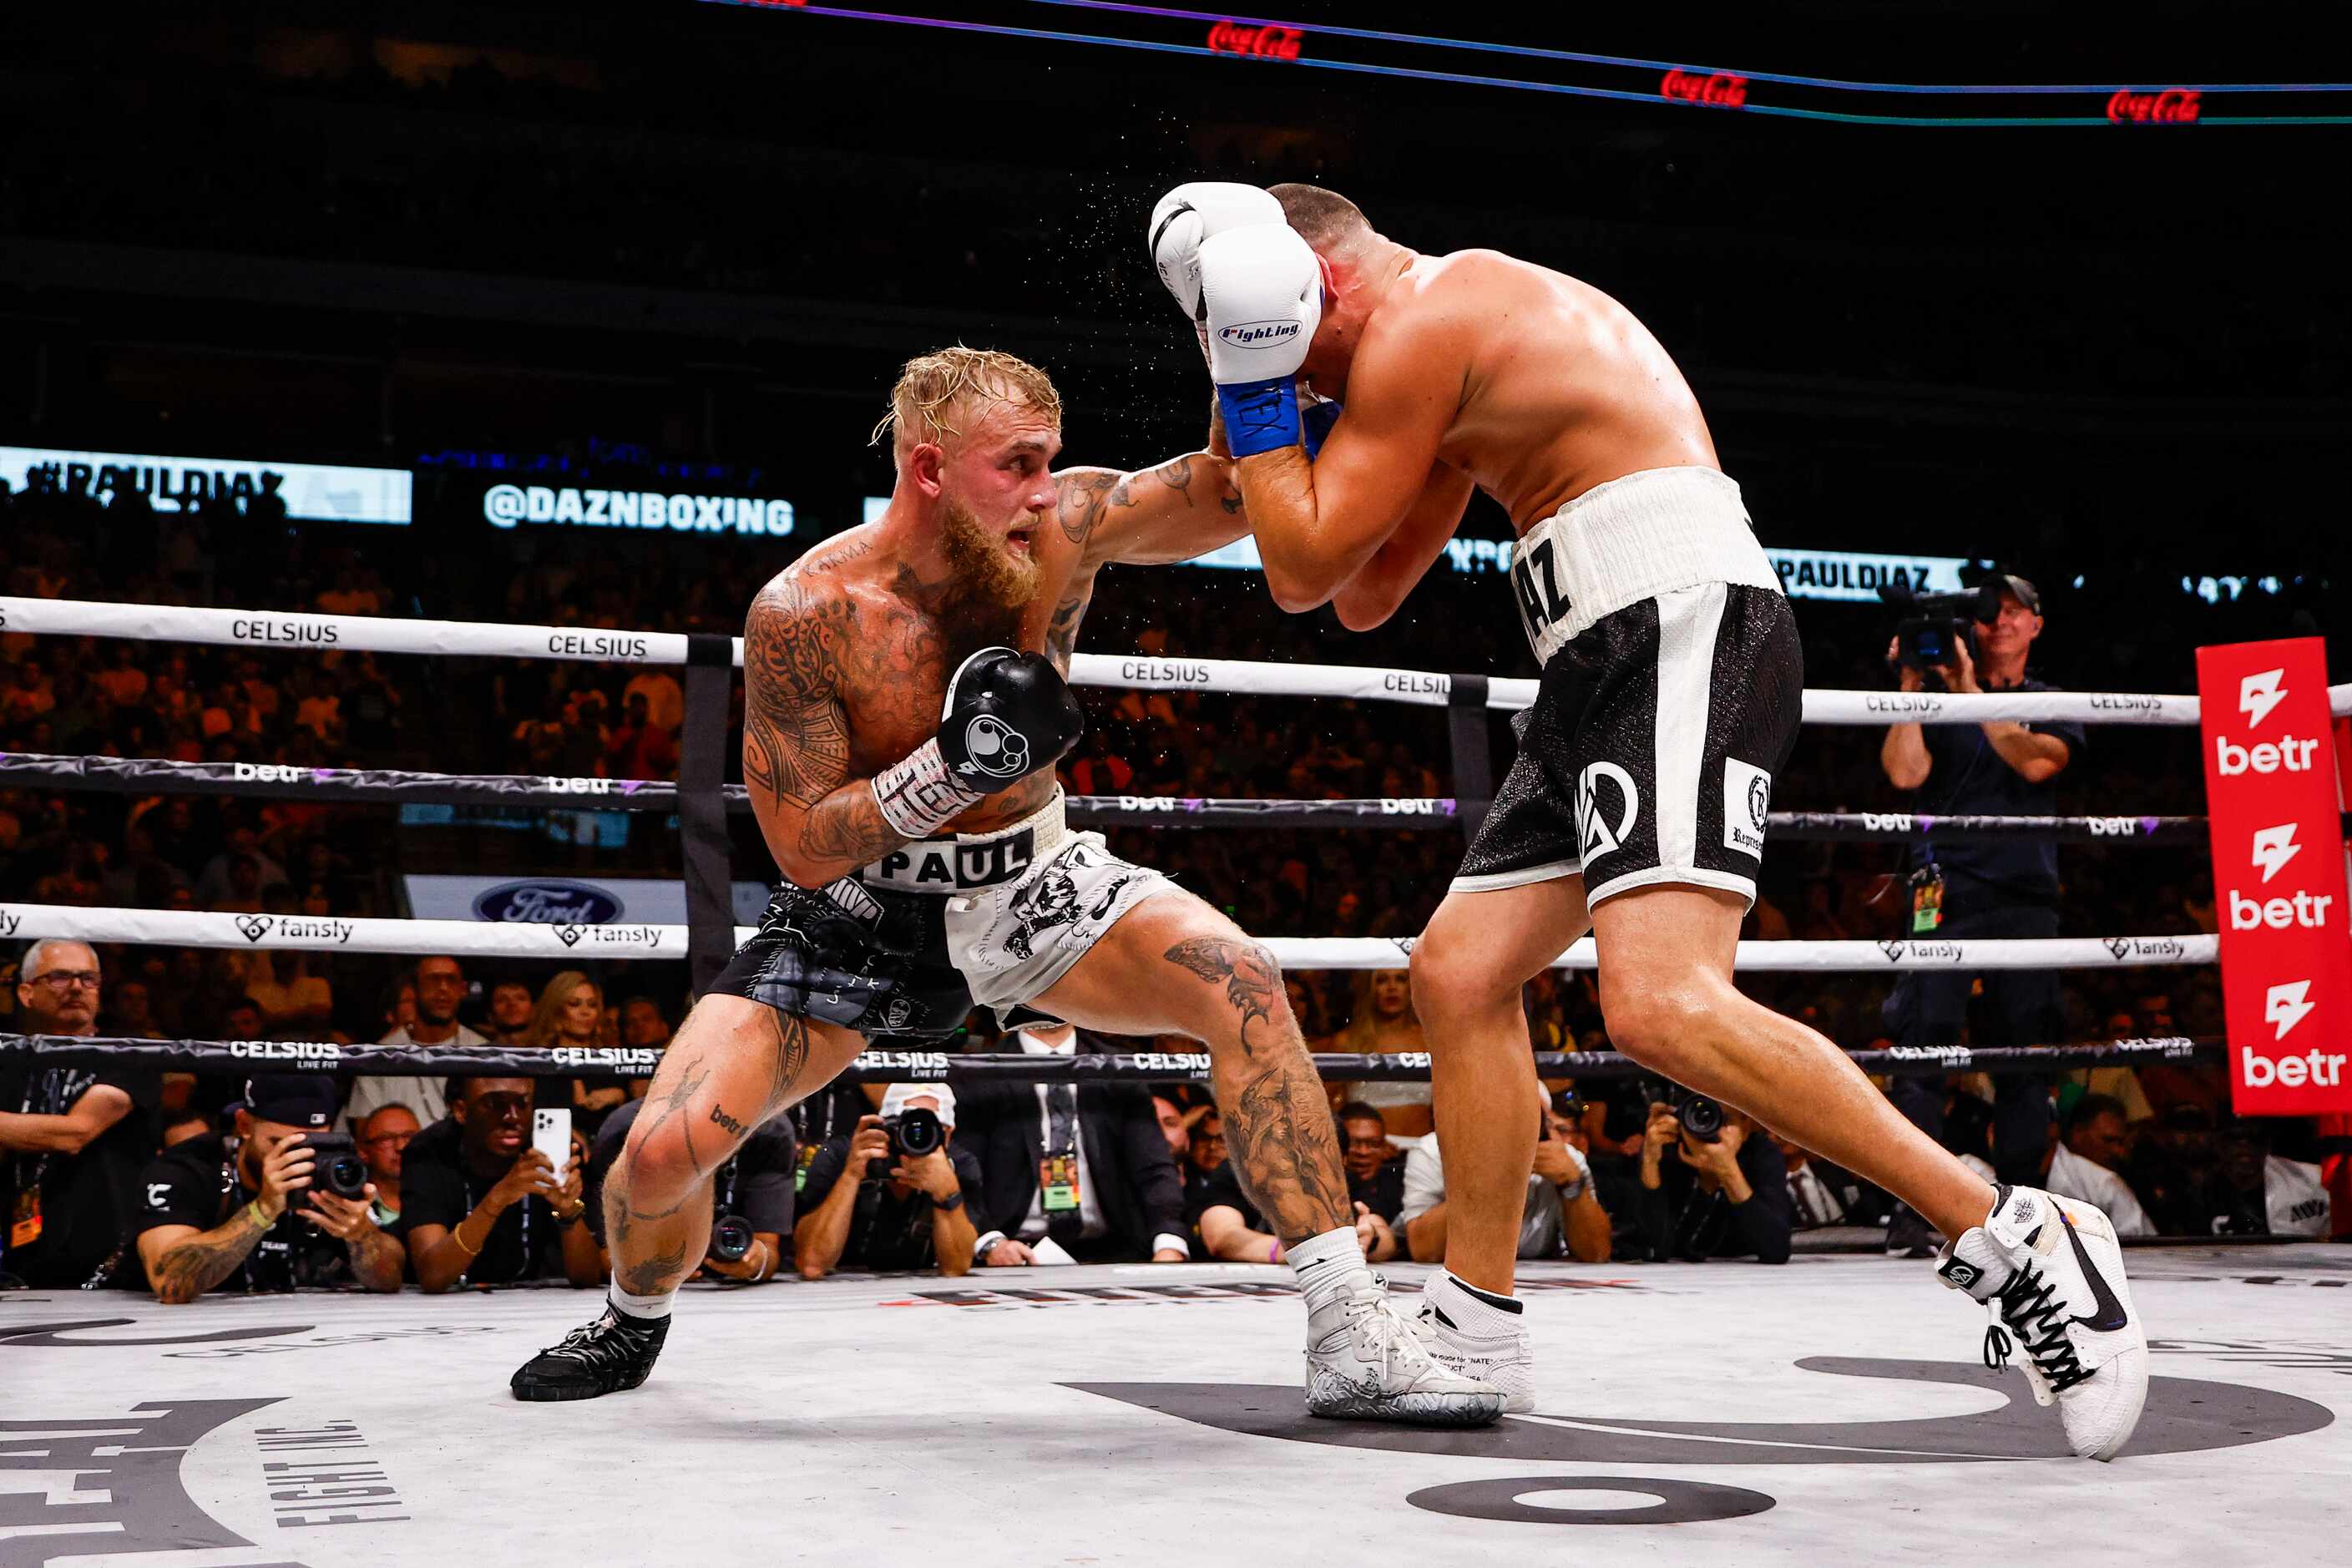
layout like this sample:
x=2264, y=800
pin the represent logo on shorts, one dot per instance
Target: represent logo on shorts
x=1592, y=829
x=995, y=748
x=1258, y=335
x=1747, y=800
x=254, y=927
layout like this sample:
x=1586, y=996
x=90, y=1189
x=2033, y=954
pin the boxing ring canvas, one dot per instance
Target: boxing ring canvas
x=1833, y=1410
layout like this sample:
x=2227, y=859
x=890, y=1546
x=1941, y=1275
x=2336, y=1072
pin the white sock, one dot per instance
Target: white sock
x=1327, y=1263
x=1480, y=1313
x=631, y=1306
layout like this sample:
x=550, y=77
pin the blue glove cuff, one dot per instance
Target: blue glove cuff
x=1260, y=415
x=1317, y=426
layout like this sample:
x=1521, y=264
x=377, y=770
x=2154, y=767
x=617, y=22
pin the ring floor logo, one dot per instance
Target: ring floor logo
x=2183, y=1415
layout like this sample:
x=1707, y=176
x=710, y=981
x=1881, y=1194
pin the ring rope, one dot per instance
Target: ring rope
x=307, y=631
x=890, y=1064
x=399, y=786
x=522, y=938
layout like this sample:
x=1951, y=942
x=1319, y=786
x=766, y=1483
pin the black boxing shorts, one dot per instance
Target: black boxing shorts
x=1672, y=689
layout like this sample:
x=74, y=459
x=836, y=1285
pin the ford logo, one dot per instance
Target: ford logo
x=549, y=901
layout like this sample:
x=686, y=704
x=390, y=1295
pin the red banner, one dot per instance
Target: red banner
x=2278, y=875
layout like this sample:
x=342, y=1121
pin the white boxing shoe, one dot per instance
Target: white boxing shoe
x=1365, y=1362
x=2051, y=1272
x=1475, y=1341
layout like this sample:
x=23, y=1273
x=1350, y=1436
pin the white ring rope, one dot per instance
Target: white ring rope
x=305, y=631
x=491, y=938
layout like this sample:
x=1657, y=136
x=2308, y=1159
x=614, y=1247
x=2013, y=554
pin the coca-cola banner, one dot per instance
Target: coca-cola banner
x=2278, y=875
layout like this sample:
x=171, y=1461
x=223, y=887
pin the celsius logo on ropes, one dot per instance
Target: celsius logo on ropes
x=547, y=902
x=503, y=506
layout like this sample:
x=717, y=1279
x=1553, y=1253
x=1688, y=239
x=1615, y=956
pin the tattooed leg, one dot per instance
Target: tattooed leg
x=735, y=1063
x=1203, y=977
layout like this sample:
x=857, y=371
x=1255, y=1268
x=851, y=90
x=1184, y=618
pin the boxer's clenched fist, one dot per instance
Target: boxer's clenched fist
x=1262, y=298
x=1191, y=213
x=1007, y=715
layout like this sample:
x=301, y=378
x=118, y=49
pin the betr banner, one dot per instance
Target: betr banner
x=2273, y=808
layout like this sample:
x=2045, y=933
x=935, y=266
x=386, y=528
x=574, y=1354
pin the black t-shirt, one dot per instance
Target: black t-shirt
x=756, y=1184
x=885, y=1231
x=442, y=1189
x=196, y=1183
x=89, y=1202
x=1220, y=1187
x=1385, y=1193
x=1969, y=777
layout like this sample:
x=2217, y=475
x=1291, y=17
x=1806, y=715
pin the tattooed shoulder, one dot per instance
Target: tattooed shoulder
x=796, y=741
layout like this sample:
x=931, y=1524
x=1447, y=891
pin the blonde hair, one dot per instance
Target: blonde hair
x=546, y=1026
x=954, y=382
x=1362, y=1030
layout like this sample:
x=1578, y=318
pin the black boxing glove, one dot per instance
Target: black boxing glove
x=1007, y=716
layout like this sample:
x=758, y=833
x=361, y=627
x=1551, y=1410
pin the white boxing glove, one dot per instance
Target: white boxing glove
x=1262, y=299
x=1191, y=214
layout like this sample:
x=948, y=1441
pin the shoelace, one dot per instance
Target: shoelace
x=596, y=1345
x=2028, y=1305
x=1398, y=1340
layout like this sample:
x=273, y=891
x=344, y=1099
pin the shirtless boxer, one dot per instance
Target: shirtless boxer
x=899, y=754
x=1670, y=695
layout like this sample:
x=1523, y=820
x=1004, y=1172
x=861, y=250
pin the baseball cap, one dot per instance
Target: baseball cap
x=895, y=1099
x=292, y=1099
x=2027, y=594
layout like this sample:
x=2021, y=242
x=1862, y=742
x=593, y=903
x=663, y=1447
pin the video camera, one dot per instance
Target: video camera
x=1935, y=627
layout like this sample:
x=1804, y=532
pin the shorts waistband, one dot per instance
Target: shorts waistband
x=963, y=861
x=1631, y=539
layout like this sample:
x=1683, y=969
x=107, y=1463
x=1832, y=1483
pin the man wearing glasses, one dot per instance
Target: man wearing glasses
x=383, y=1142
x=72, y=1140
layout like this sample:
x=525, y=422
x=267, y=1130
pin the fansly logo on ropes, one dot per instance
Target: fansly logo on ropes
x=2158, y=949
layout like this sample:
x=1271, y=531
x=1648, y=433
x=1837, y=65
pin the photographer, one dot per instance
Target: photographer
x=1988, y=888
x=754, y=1189
x=868, y=1204
x=487, y=1208
x=1703, y=1197
x=224, y=1211
x=1561, y=1217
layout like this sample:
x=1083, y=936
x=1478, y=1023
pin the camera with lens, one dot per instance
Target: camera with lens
x=914, y=1133
x=730, y=1238
x=1701, y=1117
x=1935, y=627
x=340, y=1169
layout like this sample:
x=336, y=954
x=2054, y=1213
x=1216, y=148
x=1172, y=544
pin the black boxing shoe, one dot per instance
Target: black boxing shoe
x=613, y=1353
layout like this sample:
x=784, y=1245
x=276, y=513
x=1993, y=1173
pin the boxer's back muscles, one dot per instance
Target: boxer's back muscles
x=848, y=655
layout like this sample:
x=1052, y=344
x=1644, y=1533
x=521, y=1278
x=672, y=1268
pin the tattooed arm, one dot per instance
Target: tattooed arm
x=819, y=823
x=1185, y=507
x=183, y=1262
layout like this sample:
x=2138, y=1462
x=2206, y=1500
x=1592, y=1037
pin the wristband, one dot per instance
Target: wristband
x=951, y=1202
x=260, y=1221
x=985, y=1244
x=1274, y=1252
x=457, y=1234
x=919, y=796
x=1260, y=415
